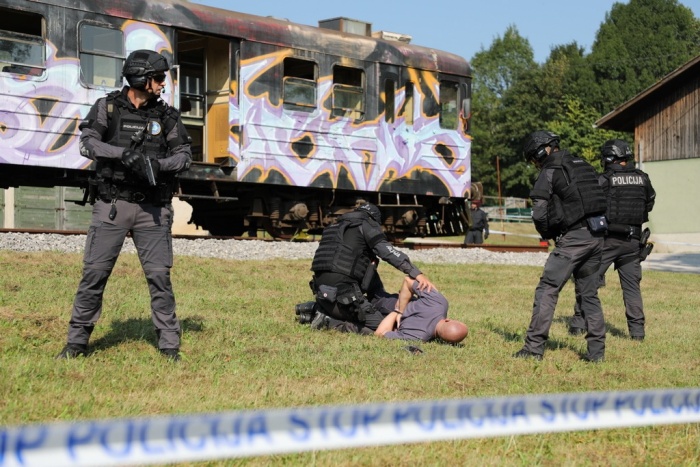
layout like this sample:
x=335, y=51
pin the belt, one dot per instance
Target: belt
x=577, y=225
x=136, y=197
x=635, y=233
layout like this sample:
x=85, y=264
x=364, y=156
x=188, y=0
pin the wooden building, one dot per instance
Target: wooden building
x=665, y=119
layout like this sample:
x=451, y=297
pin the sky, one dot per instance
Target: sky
x=463, y=27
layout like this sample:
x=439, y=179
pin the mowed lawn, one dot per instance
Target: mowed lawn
x=242, y=349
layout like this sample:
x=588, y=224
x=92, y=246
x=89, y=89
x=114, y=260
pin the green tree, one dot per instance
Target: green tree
x=578, y=135
x=638, y=44
x=496, y=70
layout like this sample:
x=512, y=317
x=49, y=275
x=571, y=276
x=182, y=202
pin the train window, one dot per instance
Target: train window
x=348, y=92
x=407, y=108
x=22, y=47
x=389, y=99
x=449, y=110
x=101, y=55
x=299, y=84
x=192, y=86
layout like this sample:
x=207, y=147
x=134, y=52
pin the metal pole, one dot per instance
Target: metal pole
x=500, y=207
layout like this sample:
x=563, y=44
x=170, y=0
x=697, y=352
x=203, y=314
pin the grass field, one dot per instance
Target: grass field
x=242, y=349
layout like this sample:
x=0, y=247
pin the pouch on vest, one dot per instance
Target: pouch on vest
x=597, y=224
x=327, y=293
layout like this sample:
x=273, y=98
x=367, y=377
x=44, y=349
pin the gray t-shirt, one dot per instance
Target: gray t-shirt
x=421, y=316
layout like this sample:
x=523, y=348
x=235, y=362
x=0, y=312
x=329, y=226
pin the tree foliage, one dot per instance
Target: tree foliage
x=637, y=44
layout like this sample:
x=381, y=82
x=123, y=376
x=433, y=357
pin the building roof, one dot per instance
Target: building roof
x=623, y=117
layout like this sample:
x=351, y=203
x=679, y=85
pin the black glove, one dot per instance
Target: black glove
x=486, y=235
x=131, y=159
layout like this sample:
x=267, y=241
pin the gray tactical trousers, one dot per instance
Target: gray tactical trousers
x=577, y=253
x=150, y=228
x=624, y=253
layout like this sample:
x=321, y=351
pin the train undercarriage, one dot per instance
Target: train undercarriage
x=225, y=207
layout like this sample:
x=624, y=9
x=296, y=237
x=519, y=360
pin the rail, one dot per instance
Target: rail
x=412, y=244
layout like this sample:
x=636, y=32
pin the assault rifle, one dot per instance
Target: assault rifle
x=136, y=140
x=645, y=244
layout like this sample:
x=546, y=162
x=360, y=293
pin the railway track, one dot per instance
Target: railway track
x=412, y=244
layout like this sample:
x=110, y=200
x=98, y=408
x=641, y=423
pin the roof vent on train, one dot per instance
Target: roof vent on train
x=392, y=36
x=342, y=24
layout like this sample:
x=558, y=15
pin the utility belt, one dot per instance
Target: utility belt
x=159, y=195
x=625, y=231
x=577, y=225
x=347, y=295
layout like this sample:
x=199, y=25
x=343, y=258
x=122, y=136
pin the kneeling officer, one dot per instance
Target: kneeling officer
x=343, y=268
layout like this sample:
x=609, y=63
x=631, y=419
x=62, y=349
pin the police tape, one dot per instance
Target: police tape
x=249, y=433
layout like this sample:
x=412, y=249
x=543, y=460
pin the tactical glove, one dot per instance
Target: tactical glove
x=131, y=159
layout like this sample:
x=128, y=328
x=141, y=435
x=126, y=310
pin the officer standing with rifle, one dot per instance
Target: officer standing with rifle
x=630, y=198
x=139, y=145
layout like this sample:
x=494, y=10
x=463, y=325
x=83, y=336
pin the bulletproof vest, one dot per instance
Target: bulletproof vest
x=123, y=122
x=626, y=196
x=343, y=248
x=582, y=197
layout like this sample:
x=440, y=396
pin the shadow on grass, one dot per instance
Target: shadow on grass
x=609, y=328
x=133, y=329
x=551, y=344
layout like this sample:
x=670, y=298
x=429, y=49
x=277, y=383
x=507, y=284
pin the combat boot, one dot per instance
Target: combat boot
x=320, y=321
x=171, y=354
x=522, y=353
x=72, y=351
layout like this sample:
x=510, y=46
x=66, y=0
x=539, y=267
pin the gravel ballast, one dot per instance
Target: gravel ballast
x=263, y=250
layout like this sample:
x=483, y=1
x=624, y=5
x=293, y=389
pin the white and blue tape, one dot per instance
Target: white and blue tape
x=250, y=433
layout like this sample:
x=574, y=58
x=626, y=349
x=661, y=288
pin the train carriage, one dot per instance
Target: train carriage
x=292, y=125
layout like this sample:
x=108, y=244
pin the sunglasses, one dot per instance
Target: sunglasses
x=159, y=77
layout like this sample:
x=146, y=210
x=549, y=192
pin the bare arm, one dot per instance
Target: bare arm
x=393, y=319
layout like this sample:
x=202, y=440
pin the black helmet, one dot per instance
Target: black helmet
x=535, y=144
x=615, y=150
x=141, y=65
x=372, y=210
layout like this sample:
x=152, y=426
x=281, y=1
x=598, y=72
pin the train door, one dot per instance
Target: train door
x=204, y=93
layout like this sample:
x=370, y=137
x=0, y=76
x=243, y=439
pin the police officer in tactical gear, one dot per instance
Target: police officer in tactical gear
x=630, y=198
x=345, y=281
x=567, y=205
x=131, y=134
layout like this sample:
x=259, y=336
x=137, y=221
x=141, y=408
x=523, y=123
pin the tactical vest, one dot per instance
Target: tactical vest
x=626, y=197
x=124, y=121
x=583, y=196
x=343, y=249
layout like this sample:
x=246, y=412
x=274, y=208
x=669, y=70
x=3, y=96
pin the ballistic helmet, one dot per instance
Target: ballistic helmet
x=372, y=210
x=451, y=331
x=534, y=147
x=141, y=65
x=615, y=150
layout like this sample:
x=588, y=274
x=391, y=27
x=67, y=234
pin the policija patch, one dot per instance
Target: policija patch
x=626, y=180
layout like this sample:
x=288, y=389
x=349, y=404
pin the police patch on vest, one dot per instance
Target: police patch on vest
x=624, y=180
x=131, y=126
x=154, y=128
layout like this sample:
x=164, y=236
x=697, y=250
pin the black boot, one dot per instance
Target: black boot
x=171, y=354
x=72, y=351
x=305, y=312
